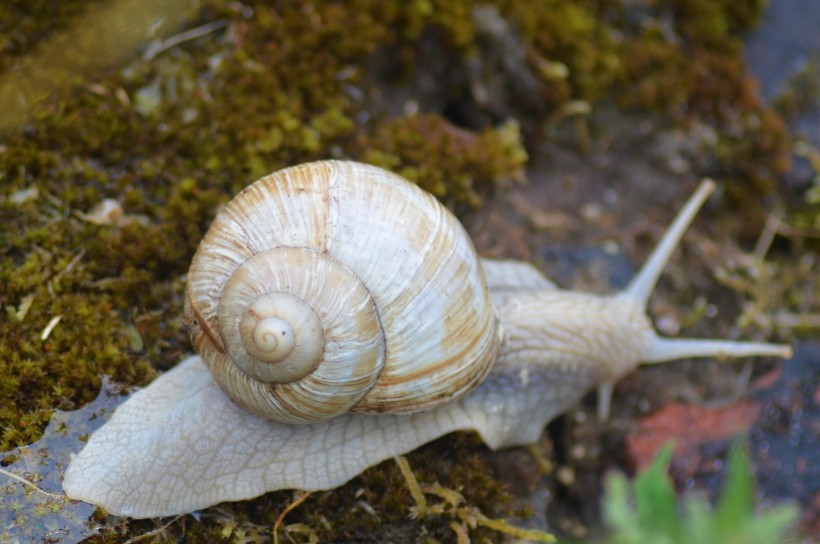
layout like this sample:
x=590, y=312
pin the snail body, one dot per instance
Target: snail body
x=443, y=341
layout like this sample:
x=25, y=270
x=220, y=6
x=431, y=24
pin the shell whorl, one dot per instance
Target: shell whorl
x=270, y=338
x=336, y=286
x=268, y=330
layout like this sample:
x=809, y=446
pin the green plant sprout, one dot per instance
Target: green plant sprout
x=648, y=511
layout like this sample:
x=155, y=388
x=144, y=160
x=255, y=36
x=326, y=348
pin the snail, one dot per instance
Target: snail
x=338, y=276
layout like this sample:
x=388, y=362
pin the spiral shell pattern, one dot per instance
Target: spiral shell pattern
x=337, y=286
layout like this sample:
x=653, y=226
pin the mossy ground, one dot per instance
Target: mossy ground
x=173, y=136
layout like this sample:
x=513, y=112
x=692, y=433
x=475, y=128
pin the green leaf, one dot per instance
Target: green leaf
x=656, y=516
x=736, y=502
x=619, y=510
x=771, y=526
x=656, y=501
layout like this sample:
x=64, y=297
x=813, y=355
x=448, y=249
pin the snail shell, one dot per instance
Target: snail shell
x=335, y=286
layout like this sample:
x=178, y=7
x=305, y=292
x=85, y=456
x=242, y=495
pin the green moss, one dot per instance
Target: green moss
x=703, y=78
x=451, y=163
x=455, y=19
x=717, y=23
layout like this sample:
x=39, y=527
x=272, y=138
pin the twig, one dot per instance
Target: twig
x=153, y=532
x=29, y=483
x=185, y=36
x=299, y=500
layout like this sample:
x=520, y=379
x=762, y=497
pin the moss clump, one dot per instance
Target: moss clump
x=694, y=71
x=102, y=284
x=449, y=162
x=580, y=36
